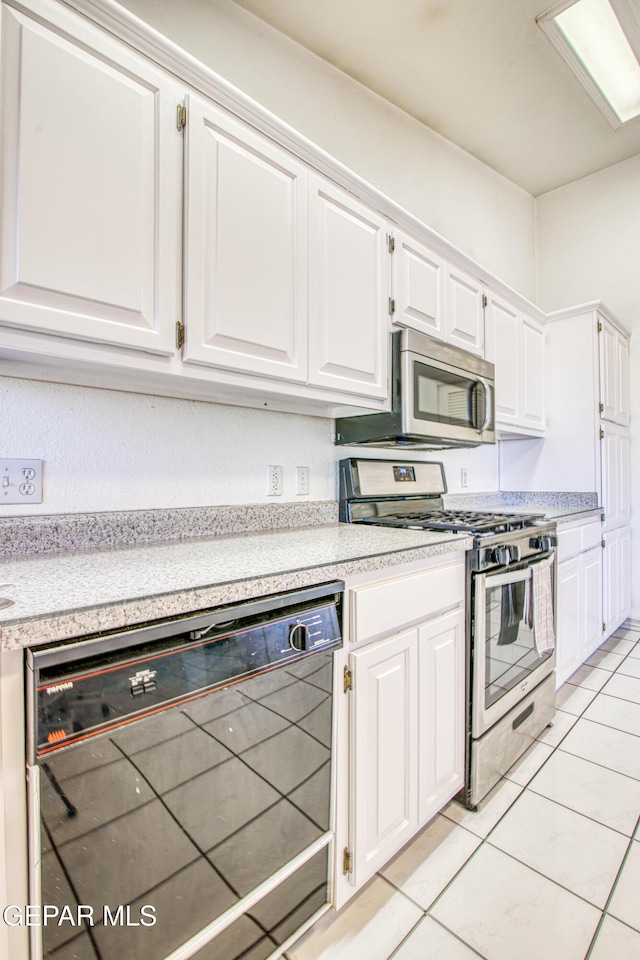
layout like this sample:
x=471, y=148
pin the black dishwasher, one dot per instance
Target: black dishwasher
x=180, y=783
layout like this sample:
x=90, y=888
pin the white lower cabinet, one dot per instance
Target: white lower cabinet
x=440, y=712
x=403, y=757
x=579, y=626
x=385, y=750
x=616, y=577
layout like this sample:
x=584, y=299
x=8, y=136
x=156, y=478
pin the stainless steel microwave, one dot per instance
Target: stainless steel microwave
x=441, y=396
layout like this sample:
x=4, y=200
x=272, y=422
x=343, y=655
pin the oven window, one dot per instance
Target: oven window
x=510, y=653
x=447, y=397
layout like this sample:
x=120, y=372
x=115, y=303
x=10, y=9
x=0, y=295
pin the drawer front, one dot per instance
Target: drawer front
x=591, y=535
x=569, y=543
x=391, y=604
x=578, y=539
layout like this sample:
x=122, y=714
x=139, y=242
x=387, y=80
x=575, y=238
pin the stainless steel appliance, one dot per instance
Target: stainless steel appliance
x=510, y=679
x=441, y=396
x=180, y=783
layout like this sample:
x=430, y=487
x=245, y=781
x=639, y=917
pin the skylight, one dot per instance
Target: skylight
x=591, y=39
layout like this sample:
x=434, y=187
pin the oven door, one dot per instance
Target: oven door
x=505, y=663
x=445, y=401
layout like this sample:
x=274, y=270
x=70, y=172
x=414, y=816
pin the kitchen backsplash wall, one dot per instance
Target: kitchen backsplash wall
x=108, y=450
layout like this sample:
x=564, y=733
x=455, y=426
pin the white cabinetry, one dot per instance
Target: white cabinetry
x=614, y=372
x=349, y=292
x=90, y=185
x=617, y=577
x=515, y=344
x=401, y=745
x=435, y=297
x=385, y=750
x=465, y=311
x=579, y=595
x=418, y=286
x=246, y=248
x=587, y=442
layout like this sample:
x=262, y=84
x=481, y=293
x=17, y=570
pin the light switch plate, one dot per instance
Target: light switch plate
x=20, y=481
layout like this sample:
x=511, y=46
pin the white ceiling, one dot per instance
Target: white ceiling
x=479, y=72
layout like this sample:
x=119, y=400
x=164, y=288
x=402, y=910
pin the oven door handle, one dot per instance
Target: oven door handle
x=516, y=573
x=487, y=404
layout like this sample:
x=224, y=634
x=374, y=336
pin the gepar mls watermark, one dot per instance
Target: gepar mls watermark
x=50, y=915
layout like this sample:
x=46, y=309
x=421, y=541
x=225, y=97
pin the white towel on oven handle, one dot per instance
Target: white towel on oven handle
x=541, y=606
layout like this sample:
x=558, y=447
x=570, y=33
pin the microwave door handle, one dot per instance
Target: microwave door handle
x=487, y=404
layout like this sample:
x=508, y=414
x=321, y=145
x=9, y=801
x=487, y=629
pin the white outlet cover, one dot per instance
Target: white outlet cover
x=20, y=481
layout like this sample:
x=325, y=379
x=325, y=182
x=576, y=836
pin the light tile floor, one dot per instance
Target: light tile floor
x=547, y=869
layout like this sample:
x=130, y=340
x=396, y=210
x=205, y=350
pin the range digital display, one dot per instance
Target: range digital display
x=403, y=472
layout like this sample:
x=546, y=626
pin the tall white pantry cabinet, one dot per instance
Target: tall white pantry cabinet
x=587, y=444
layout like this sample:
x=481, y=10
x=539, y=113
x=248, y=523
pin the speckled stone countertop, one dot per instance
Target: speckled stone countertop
x=63, y=595
x=563, y=507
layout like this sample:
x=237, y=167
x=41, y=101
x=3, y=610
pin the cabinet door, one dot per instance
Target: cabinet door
x=465, y=311
x=624, y=573
x=91, y=186
x=591, y=601
x=419, y=278
x=442, y=714
x=614, y=373
x=608, y=370
x=504, y=347
x=349, y=276
x=384, y=731
x=570, y=618
x=245, y=248
x=611, y=581
x=622, y=372
x=615, y=473
x=532, y=404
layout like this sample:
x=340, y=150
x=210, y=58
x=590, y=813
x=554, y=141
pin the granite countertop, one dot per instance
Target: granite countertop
x=69, y=594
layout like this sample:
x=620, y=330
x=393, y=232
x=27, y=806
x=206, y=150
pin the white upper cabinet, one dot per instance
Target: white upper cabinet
x=419, y=286
x=90, y=184
x=348, y=292
x=616, y=473
x=614, y=372
x=532, y=375
x=246, y=253
x=464, y=311
x=515, y=344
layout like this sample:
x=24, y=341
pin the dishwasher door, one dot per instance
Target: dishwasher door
x=181, y=781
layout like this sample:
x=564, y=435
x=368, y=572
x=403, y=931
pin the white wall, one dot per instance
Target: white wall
x=107, y=450
x=588, y=245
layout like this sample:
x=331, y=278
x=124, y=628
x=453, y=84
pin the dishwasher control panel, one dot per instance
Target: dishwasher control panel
x=96, y=694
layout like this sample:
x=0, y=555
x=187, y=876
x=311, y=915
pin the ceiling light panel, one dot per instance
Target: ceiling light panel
x=589, y=36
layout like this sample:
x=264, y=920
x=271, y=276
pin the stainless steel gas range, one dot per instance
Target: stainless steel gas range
x=510, y=604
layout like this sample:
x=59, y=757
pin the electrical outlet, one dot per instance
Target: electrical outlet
x=20, y=481
x=464, y=477
x=274, y=481
x=302, y=481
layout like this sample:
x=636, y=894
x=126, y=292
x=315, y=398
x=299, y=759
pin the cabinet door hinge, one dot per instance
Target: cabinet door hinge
x=603, y=543
x=601, y=407
x=179, y=335
x=347, y=861
x=347, y=680
x=391, y=242
x=484, y=301
x=181, y=117
x=601, y=433
x=392, y=306
x=604, y=628
x=602, y=517
x=599, y=327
